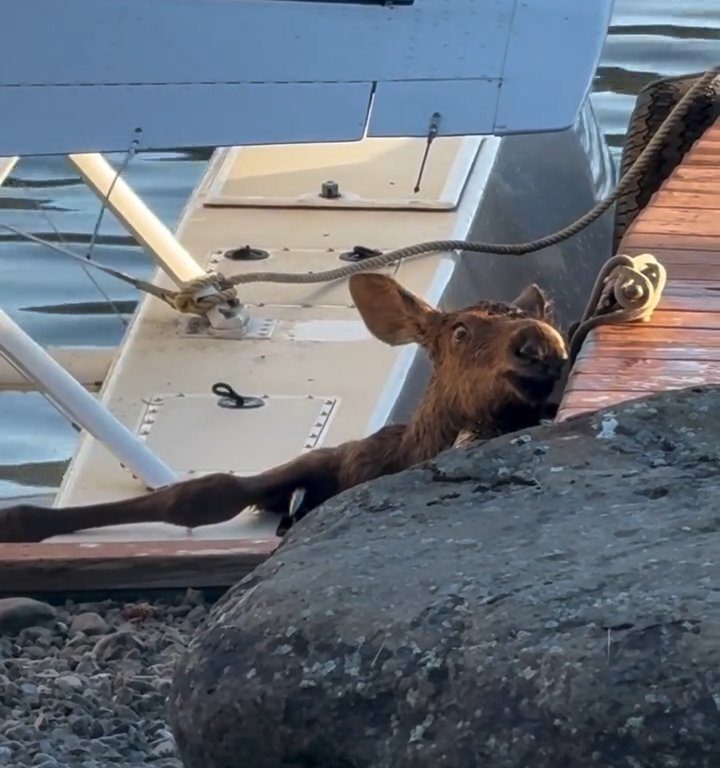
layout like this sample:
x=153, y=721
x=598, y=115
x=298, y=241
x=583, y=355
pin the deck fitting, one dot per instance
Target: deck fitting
x=330, y=190
x=360, y=253
x=246, y=253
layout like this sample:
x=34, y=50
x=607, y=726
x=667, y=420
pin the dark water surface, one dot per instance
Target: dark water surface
x=647, y=39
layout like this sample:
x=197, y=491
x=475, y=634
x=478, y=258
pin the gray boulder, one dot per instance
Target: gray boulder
x=549, y=599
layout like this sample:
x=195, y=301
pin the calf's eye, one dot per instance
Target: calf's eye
x=460, y=333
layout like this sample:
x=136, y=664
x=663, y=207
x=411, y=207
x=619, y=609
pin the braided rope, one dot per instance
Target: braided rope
x=191, y=300
x=627, y=289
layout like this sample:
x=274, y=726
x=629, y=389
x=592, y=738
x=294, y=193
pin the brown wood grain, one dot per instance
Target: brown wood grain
x=689, y=302
x=711, y=134
x=650, y=333
x=648, y=241
x=590, y=400
x=676, y=199
x=692, y=287
x=689, y=174
x=707, y=272
x=669, y=255
x=703, y=147
x=704, y=158
x=568, y=413
x=702, y=320
x=53, y=567
x=634, y=349
x=598, y=382
x=642, y=368
x=705, y=186
x=679, y=222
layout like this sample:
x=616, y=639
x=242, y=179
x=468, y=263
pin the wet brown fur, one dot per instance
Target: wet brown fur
x=494, y=367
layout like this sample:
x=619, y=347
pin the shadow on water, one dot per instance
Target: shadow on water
x=52, y=298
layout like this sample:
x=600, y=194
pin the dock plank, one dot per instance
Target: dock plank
x=130, y=565
x=679, y=198
x=652, y=334
x=650, y=241
x=680, y=346
x=659, y=350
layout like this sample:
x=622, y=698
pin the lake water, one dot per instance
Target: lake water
x=647, y=39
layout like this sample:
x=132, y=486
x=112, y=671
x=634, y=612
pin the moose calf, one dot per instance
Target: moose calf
x=494, y=368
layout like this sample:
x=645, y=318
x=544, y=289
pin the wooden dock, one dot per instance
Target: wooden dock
x=680, y=346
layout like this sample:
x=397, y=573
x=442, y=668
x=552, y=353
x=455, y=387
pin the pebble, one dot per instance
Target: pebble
x=17, y=613
x=83, y=687
x=163, y=749
x=70, y=683
x=115, y=645
x=89, y=623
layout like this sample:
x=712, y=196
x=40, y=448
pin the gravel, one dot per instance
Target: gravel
x=84, y=685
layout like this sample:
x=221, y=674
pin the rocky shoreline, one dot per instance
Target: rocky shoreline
x=84, y=684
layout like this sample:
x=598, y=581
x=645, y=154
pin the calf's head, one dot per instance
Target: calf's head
x=489, y=354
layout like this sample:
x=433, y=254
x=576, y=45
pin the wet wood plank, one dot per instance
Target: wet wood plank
x=708, y=273
x=706, y=186
x=645, y=368
x=683, y=295
x=676, y=255
x=129, y=565
x=705, y=146
x=639, y=374
x=685, y=173
x=682, y=199
x=680, y=346
x=705, y=287
x=712, y=133
x=692, y=178
x=632, y=381
x=658, y=351
x=651, y=334
x=593, y=401
x=688, y=302
x=663, y=319
x=568, y=413
x=682, y=222
x=573, y=412
x=704, y=159
x=647, y=241
x=698, y=272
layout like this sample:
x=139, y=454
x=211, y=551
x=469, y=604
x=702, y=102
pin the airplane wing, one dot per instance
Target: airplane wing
x=91, y=75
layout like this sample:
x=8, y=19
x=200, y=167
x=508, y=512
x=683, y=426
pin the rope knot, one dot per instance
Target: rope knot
x=627, y=290
x=187, y=300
